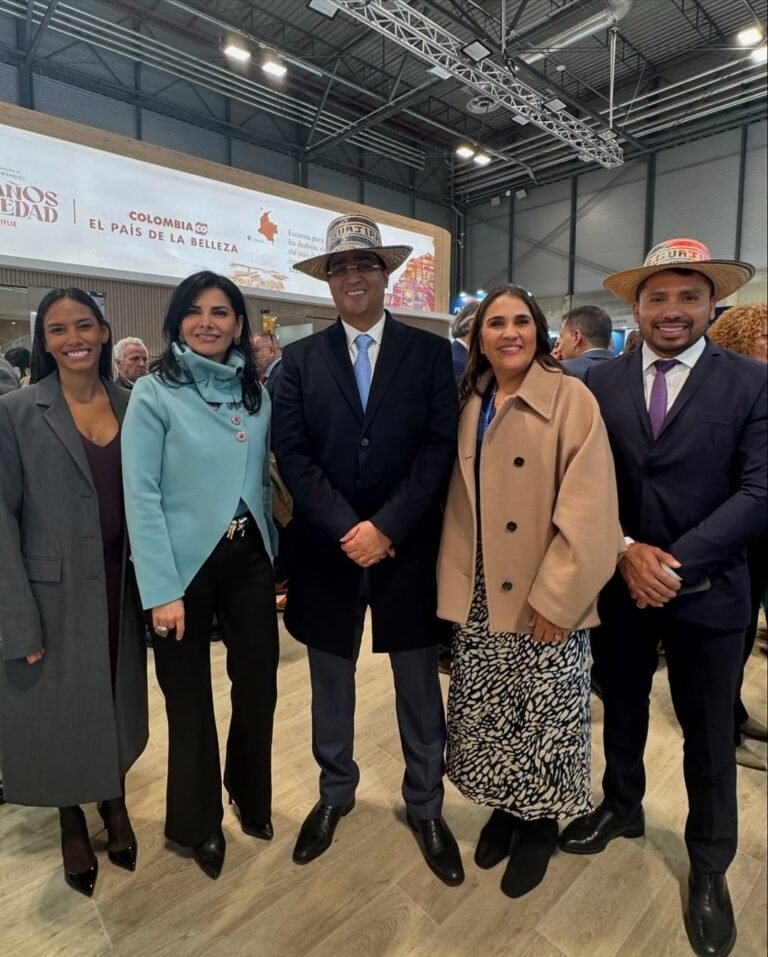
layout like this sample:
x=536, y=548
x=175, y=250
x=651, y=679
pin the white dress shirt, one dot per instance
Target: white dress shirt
x=676, y=376
x=375, y=332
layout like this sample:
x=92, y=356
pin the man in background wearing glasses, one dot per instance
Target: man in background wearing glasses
x=364, y=431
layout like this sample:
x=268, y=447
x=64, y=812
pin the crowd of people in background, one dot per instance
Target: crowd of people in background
x=557, y=506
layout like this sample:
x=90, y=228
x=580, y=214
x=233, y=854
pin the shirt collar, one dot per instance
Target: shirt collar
x=688, y=358
x=375, y=332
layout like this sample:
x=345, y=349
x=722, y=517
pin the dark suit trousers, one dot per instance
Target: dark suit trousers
x=420, y=718
x=703, y=667
x=237, y=584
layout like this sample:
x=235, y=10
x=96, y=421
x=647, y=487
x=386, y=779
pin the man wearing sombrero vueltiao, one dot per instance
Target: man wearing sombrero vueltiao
x=687, y=424
x=364, y=425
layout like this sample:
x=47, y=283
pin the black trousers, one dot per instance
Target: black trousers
x=703, y=667
x=237, y=584
x=420, y=719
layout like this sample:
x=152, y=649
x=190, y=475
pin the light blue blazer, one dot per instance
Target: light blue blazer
x=187, y=464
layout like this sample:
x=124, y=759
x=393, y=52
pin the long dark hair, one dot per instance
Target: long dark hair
x=477, y=363
x=183, y=298
x=42, y=363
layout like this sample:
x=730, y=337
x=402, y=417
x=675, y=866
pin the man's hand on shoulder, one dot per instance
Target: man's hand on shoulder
x=648, y=583
x=366, y=545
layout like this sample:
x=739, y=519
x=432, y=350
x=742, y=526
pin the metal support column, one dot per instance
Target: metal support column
x=511, y=238
x=740, y=200
x=650, y=200
x=572, y=239
x=23, y=40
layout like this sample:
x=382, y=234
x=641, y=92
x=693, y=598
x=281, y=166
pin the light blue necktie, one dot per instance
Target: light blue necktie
x=362, y=366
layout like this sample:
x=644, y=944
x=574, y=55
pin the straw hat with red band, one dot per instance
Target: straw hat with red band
x=351, y=233
x=726, y=275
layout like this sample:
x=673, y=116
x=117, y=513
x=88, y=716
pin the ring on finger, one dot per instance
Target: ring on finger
x=161, y=630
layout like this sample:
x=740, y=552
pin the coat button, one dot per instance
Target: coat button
x=365, y=443
x=236, y=420
x=241, y=436
x=506, y=586
x=519, y=461
x=511, y=526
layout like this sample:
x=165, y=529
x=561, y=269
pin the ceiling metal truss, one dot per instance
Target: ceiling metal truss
x=433, y=44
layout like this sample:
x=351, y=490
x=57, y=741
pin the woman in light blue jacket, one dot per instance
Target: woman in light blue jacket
x=197, y=495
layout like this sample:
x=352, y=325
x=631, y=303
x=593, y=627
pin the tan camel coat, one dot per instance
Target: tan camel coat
x=549, y=512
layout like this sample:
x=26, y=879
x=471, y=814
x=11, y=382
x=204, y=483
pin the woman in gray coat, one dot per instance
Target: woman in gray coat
x=73, y=696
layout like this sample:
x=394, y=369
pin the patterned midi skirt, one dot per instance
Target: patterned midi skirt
x=519, y=718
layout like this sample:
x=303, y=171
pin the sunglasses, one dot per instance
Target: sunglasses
x=341, y=269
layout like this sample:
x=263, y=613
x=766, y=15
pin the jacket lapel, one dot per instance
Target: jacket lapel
x=56, y=413
x=118, y=399
x=336, y=354
x=393, y=345
x=637, y=391
x=698, y=374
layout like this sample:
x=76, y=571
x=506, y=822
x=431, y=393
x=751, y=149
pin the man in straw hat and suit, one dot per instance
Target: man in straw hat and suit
x=365, y=425
x=687, y=424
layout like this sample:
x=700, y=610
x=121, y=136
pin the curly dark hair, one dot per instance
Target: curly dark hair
x=167, y=367
x=477, y=363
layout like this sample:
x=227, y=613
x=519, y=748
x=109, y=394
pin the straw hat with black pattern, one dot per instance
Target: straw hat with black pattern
x=349, y=233
x=726, y=275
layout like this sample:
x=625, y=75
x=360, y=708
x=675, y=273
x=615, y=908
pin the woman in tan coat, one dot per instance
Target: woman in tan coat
x=531, y=534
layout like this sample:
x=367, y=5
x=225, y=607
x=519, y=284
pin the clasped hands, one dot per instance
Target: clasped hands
x=648, y=583
x=366, y=545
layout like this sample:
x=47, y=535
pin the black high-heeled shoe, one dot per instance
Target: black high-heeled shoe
x=83, y=882
x=209, y=855
x=127, y=856
x=265, y=832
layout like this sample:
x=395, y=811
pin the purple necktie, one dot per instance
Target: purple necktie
x=657, y=407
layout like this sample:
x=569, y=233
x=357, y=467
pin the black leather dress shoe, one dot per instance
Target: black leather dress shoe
x=84, y=881
x=497, y=839
x=265, y=832
x=709, y=917
x=316, y=834
x=591, y=833
x=439, y=848
x=210, y=854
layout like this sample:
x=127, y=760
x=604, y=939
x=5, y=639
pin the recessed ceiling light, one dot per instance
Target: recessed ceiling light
x=476, y=51
x=465, y=152
x=440, y=72
x=760, y=54
x=555, y=104
x=237, y=53
x=274, y=68
x=749, y=37
x=560, y=67
x=327, y=7
x=482, y=159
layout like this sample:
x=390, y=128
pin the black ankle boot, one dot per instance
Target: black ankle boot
x=529, y=862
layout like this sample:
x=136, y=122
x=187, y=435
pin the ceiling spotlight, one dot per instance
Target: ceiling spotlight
x=608, y=135
x=465, y=152
x=440, y=72
x=237, y=53
x=555, y=104
x=585, y=157
x=274, y=67
x=327, y=7
x=560, y=67
x=519, y=118
x=482, y=159
x=476, y=51
x=759, y=54
x=749, y=37
x=495, y=200
x=521, y=193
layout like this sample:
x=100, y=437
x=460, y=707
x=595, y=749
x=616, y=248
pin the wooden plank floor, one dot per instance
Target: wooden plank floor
x=371, y=895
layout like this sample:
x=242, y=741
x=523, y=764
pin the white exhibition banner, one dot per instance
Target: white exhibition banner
x=73, y=206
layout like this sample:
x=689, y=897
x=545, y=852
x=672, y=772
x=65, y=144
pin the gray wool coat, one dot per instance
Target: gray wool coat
x=64, y=739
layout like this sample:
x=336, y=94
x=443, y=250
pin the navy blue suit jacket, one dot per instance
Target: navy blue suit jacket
x=700, y=490
x=389, y=464
x=583, y=363
x=459, y=355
